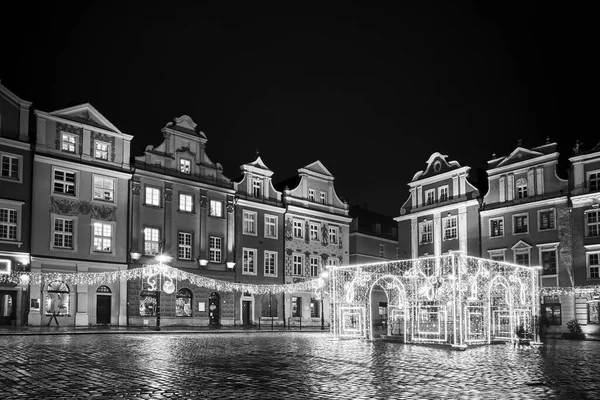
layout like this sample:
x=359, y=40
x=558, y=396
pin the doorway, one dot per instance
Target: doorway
x=246, y=307
x=213, y=308
x=103, y=309
x=8, y=308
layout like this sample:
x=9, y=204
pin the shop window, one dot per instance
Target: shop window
x=57, y=298
x=552, y=312
x=147, y=303
x=315, y=312
x=296, y=307
x=183, y=303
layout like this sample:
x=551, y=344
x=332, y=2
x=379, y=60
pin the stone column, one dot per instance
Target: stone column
x=123, y=300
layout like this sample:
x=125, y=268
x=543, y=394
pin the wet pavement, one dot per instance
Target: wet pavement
x=290, y=365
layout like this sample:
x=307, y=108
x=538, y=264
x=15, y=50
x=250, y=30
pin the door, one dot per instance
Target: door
x=103, y=309
x=8, y=308
x=246, y=312
x=213, y=308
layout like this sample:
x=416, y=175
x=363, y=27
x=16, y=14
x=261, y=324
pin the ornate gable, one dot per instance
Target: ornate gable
x=87, y=114
x=316, y=167
x=518, y=155
x=436, y=165
x=257, y=167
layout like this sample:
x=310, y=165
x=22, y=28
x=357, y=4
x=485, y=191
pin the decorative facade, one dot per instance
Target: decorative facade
x=259, y=250
x=15, y=205
x=80, y=180
x=181, y=206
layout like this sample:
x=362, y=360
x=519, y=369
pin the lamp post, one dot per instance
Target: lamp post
x=161, y=258
x=324, y=275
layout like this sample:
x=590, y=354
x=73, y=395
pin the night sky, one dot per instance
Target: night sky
x=370, y=93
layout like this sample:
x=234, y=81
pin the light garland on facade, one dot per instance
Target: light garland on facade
x=104, y=278
x=569, y=291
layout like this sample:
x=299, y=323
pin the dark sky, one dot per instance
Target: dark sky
x=371, y=93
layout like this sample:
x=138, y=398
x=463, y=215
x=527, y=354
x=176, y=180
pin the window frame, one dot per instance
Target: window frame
x=333, y=234
x=422, y=231
x=64, y=182
x=182, y=196
x=426, y=194
x=539, y=217
x=548, y=249
x=333, y=261
x=316, y=225
x=159, y=197
x=381, y=250
x=553, y=320
x=73, y=234
x=183, y=163
x=214, y=251
x=312, y=195
x=452, y=228
x=246, y=261
x=497, y=253
x=590, y=266
x=323, y=198
x=159, y=238
x=112, y=225
x=314, y=267
x=514, y=223
x=257, y=188
x=220, y=208
x=297, y=261
x=595, y=211
x=246, y=222
x=99, y=142
x=501, y=219
x=520, y=188
x=64, y=135
x=589, y=180
x=104, y=179
x=443, y=196
x=19, y=159
x=521, y=252
x=183, y=246
x=298, y=224
x=274, y=225
x=270, y=255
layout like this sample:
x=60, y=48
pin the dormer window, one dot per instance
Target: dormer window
x=311, y=195
x=430, y=197
x=443, y=193
x=185, y=166
x=101, y=150
x=323, y=198
x=594, y=181
x=521, y=188
x=68, y=142
x=257, y=188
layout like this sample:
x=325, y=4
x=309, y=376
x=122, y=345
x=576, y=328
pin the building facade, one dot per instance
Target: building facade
x=259, y=250
x=373, y=236
x=181, y=206
x=15, y=204
x=80, y=180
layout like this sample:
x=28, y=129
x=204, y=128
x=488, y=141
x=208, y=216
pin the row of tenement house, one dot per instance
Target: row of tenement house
x=74, y=200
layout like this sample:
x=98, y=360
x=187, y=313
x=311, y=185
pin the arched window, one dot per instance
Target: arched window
x=521, y=188
x=103, y=289
x=183, y=303
x=57, y=298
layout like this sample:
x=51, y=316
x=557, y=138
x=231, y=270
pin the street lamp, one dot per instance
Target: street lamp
x=324, y=275
x=161, y=258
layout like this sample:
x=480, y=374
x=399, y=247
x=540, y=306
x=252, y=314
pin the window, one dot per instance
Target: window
x=62, y=233
x=249, y=223
x=298, y=229
x=64, y=182
x=184, y=250
x=183, y=303
x=378, y=228
x=186, y=202
x=593, y=312
x=323, y=198
x=57, y=299
x=333, y=261
x=521, y=188
x=429, y=196
x=497, y=254
x=10, y=167
x=428, y=266
x=69, y=142
x=314, y=308
x=593, y=222
x=522, y=259
x=498, y=257
x=104, y=188
x=496, y=227
x=520, y=224
x=548, y=258
x=552, y=312
x=425, y=232
x=151, y=241
x=101, y=150
x=594, y=265
x=296, y=307
x=185, y=166
x=271, y=226
x=152, y=196
x=381, y=250
x=147, y=303
x=102, y=233
x=311, y=195
x=5, y=267
x=298, y=262
x=333, y=233
x=215, y=249
x=443, y=193
x=257, y=188
x=594, y=181
x=546, y=219
x=314, y=266
x=8, y=224
x=216, y=208
x=249, y=262
x=450, y=229
x=270, y=263
x=314, y=231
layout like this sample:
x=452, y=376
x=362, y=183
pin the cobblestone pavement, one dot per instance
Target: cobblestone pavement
x=294, y=365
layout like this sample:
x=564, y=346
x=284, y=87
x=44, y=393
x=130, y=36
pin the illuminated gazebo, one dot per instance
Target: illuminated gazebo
x=451, y=299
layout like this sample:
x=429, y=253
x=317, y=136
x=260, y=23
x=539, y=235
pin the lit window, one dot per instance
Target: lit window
x=314, y=266
x=593, y=222
x=520, y=224
x=522, y=259
x=151, y=241
x=594, y=265
x=184, y=251
x=296, y=305
x=63, y=233
x=430, y=196
x=183, y=303
x=425, y=232
x=311, y=195
x=216, y=208
x=546, y=219
x=450, y=229
x=270, y=226
x=548, y=262
x=521, y=188
x=323, y=198
x=102, y=237
x=333, y=233
x=69, y=142
x=314, y=231
x=57, y=299
x=249, y=223
x=552, y=312
x=298, y=229
x=249, y=262
x=314, y=308
x=443, y=193
x=381, y=250
x=9, y=167
x=101, y=150
x=64, y=182
x=152, y=196
x=185, y=166
x=594, y=181
x=185, y=202
x=270, y=263
x=215, y=249
x=8, y=224
x=104, y=188
x=298, y=262
x=257, y=188
x=496, y=227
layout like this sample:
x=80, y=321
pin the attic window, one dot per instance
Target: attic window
x=437, y=166
x=185, y=166
x=521, y=188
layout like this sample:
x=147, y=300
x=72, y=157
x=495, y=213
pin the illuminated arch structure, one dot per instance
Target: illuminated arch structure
x=450, y=299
